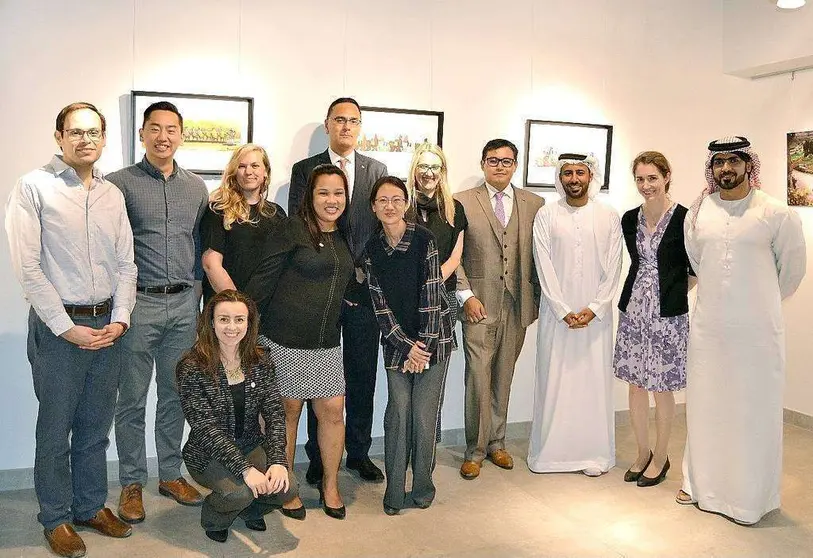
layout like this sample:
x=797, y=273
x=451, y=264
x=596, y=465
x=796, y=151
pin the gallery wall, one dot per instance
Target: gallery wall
x=646, y=67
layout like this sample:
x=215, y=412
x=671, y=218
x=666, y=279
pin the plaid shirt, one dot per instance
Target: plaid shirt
x=436, y=321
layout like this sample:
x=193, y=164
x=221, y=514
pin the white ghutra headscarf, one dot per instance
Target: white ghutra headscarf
x=596, y=176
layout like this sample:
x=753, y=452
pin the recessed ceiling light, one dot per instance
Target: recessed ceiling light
x=790, y=4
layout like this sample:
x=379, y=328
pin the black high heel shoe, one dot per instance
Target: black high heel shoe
x=295, y=513
x=646, y=481
x=633, y=476
x=335, y=513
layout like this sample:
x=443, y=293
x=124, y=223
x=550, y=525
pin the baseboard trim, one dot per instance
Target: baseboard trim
x=23, y=479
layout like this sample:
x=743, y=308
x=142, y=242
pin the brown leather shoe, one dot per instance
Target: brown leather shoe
x=501, y=458
x=107, y=524
x=181, y=491
x=65, y=542
x=131, y=507
x=470, y=470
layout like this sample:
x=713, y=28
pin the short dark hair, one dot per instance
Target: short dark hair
x=392, y=181
x=306, y=211
x=161, y=105
x=73, y=107
x=341, y=100
x=497, y=144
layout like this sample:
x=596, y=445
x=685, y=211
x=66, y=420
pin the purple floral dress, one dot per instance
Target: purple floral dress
x=650, y=351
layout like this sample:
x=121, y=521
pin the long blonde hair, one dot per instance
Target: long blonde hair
x=228, y=199
x=442, y=191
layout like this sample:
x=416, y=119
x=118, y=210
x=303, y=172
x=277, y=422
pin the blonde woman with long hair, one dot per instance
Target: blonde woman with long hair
x=238, y=221
x=433, y=207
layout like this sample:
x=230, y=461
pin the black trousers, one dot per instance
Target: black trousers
x=360, y=342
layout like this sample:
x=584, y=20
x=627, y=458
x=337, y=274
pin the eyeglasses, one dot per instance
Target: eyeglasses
x=426, y=168
x=76, y=134
x=720, y=162
x=396, y=202
x=341, y=121
x=506, y=162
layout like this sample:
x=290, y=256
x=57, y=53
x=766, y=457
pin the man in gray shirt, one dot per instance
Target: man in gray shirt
x=165, y=204
x=72, y=251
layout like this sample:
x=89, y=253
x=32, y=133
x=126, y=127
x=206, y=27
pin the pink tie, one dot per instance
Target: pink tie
x=343, y=165
x=499, y=209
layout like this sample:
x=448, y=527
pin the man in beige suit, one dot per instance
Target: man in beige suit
x=499, y=291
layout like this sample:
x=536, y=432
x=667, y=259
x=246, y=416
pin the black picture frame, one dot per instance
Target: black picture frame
x=214, y=126
x=546, y=139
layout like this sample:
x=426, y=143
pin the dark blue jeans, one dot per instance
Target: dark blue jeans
x=76, y=390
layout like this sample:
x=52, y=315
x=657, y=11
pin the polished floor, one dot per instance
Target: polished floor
x=503, y=514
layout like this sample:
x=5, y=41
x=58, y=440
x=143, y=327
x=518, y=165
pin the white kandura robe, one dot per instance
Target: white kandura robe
x=748, y=254
x=577, y=252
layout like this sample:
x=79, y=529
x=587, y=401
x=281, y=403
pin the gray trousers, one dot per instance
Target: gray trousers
x=491, y=353
x=231, y=497
x=410, y=424
x=162, y=329
x=76, y=390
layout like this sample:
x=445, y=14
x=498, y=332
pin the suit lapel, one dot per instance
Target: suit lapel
x=484, y=199
x=523, y=215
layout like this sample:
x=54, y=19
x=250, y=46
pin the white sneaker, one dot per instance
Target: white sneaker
x=593, y=472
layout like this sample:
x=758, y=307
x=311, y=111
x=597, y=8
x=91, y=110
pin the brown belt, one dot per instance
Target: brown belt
x=89, y=310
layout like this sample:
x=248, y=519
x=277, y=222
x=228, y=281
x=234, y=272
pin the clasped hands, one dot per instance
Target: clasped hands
x=580, y=319
x=274, y=480
x=417, y=358
x=94, y=339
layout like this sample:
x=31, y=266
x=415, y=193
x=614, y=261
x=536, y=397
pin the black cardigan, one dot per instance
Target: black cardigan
x=673, y=263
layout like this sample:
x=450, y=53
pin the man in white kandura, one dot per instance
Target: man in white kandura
x=748, y=251
x=577, y=250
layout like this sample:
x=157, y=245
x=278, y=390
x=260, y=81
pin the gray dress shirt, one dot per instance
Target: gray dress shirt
x=165, y=215
x=70, y=245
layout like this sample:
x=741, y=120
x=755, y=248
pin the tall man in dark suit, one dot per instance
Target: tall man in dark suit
x=360, y=333
x=499, y=291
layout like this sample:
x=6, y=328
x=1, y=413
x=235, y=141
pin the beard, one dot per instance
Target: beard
x=576, y=195
x=730, y=180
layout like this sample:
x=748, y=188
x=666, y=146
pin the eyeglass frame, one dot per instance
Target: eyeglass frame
x=426, y=168
x=76, y=134
x=353, y=122
x=497, y=161
x=397, y=202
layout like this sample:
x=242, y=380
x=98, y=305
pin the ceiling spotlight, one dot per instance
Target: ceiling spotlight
x=790, y=4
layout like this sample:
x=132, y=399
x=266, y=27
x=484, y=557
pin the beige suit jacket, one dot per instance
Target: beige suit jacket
x=482, y=263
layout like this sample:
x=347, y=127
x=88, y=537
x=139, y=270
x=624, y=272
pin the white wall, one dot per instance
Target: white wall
x=647, y=67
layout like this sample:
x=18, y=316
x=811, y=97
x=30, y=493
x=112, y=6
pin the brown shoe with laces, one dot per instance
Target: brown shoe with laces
x=106, y=523
x=131, y=507
x=181, y=491
x=65, y=542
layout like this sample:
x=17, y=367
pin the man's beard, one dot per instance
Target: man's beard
x=580, y=195
x=738, y=179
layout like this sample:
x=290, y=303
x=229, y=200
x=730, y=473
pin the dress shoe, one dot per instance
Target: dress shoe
x=390, y=510
x=470, y=470
x=684, y=498
x=314, y=473
x=502, y=459
x=295, y=513
x=647, y=481
x=107, y=524
x=422, y=505
x=256, y=524
x=218, y=536
x=181, y=491
x=335, y=513
x=65, y=542
x=366, y=469
x=633, y=476
x=131, y=507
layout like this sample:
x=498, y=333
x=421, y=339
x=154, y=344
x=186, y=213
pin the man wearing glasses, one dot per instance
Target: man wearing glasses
x=360, y=333
x=72, y=251
x=499, y=291
x=165, y=204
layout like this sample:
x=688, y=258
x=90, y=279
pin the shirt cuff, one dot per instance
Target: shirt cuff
x=595, y=307
x=463, y=296
x=122, y=315
x=60, y=324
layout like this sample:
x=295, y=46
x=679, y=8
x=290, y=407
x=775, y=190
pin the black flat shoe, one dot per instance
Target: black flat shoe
x=335, y=513
x=646, y=481
x=366, y=469
x=314, y=473
x=390, y=511
x=294, y=513
x=633, y=476
x=218, y=536
x=256, y=524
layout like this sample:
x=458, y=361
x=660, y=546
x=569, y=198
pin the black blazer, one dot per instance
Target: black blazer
x=209, y=410
x=673, y=263
x=358, y=222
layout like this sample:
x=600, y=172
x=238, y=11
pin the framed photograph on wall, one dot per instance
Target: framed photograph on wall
x=545, y=140
x=391, y=135
x=800, y=169
x=214, y=126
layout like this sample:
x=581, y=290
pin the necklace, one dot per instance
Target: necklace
x=234, y=374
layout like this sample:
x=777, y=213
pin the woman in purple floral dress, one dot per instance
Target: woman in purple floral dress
x=653, y=327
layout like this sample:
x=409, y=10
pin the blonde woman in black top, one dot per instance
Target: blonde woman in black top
x=299, y=286
x=226, y=382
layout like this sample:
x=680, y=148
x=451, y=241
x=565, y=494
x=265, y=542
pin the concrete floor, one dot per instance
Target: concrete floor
x=503, y=513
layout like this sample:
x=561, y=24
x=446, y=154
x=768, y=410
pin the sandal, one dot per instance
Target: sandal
x=683, y=498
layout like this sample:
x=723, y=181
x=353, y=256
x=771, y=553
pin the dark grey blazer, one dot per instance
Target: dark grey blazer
x=358, y=222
